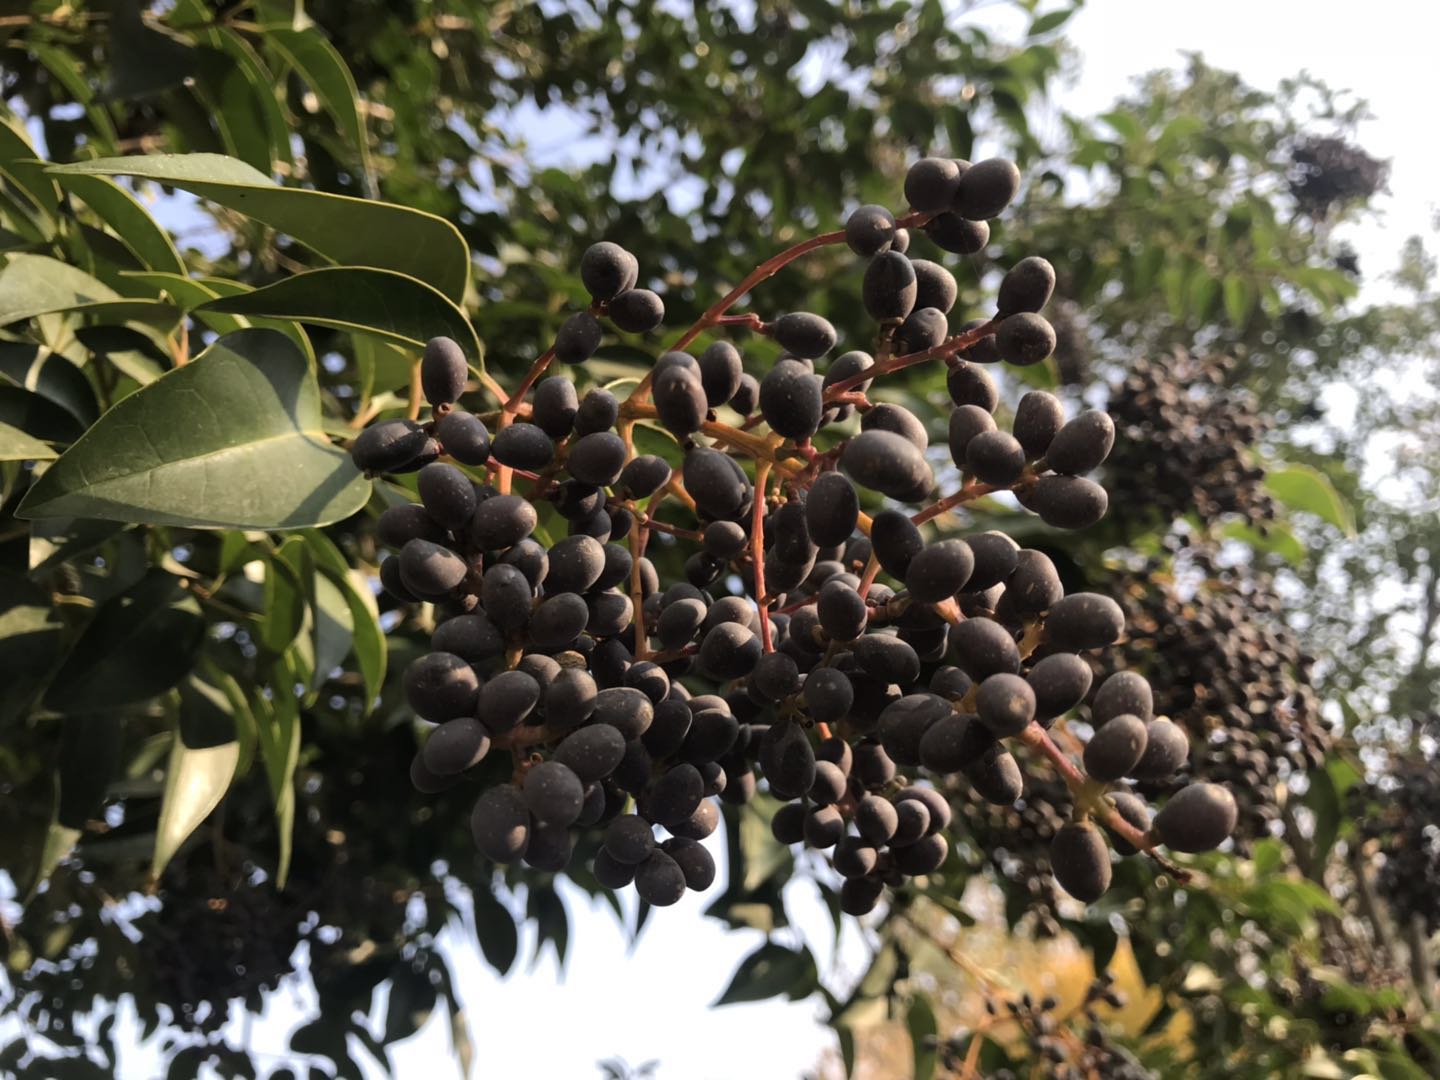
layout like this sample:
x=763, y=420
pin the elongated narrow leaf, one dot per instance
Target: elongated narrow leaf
x=60, y=840
x=16, y=445
x=32, y=285
x=368, y=639
x=380, y=302
x=132, y=223
x=231, y=440
x=18, y=160
x=189, y=293
x=356, y=232
x=1308, y=490
x=278, y=731
x=139, y=644
x=195, y=782
x=321, y=66
x=30, y=638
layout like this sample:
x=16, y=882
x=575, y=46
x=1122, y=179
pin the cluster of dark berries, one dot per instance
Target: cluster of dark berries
x=847, y=659
x=1397, y=813
x=1187, y=434
x=1067, y=1047
x=1229, y=671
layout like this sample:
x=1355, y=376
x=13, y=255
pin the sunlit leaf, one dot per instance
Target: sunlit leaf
x=232, y=439
x=357, y=232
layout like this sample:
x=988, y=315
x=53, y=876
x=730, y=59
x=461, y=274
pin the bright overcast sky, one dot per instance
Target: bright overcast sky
x=653, y=1003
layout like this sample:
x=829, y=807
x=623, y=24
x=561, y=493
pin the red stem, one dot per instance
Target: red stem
x=757, y=551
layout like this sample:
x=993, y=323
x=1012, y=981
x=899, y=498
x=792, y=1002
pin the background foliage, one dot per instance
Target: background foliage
x=200, y=711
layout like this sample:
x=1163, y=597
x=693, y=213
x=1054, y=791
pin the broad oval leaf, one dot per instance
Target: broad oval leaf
x=139, y=644
x=380, y=302
x=1308, y=490
x=231, y=440
x=348, y=230
x=770, y=971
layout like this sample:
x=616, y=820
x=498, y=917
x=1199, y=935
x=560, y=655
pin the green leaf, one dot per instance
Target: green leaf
x=1310, y=491
x=60, y=840
x=195, y=782
x=56, y=539
x=1323, y=801
x=278, y=739
x=20, y=163
x=143, y=61
x=89, y=759
x=357, y=232
x=1239, y=297
x=16, y=445
x=381, y=302
x=368, y=645
x=30, y=639
x=1275, y=540
x=321, y=66
x=50, y=375
x=1045, y=24
x=188, y=293
x=32, y=285
x=231, y=440
x=139, y=644
x=920, y=1022
x=131, y=222
x=412, y=1000
x=283, y=614
x=495, y=929
x=770, y=971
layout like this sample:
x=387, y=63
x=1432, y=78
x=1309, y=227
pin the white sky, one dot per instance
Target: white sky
x=654, y=1003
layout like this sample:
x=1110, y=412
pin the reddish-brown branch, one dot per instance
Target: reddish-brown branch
x=949, y=347
x=872, y=570
x=749, y=320
x=1037, y=737
x=757, y=551
x=536, y=370
x=969, y=493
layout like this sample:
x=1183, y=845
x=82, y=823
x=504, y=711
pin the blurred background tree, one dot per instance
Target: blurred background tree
x=1272, y=533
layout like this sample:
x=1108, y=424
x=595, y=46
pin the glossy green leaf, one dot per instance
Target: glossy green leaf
x=32, y=285
x=381, y=302
x=356, y=232
x=139, y=644
x=1310, y=491
x=35, y=415
x=189, y=293
x=770, y=971
x=17, y=445
x=283, y=614
x=50, y=375
x=230, y=440
x=131, y=222
x=195, y=782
